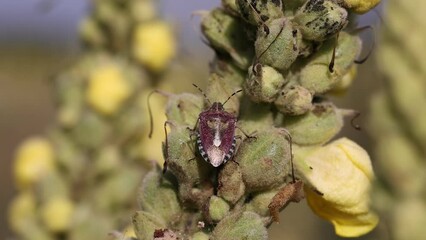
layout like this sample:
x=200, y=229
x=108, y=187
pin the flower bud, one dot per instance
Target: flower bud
x=34, y=160
x=184, y=109
x=318, y=126
x=260, y=202
x=231, y=7
x=226, y=34
x=56, y=214
x=231, y=186
x=108, y=89
x=220, y=89
x=294, y=100
x=246, y=225
x=265, y=160
x=341, y=171
x=255, y=116
x=91, y=131
x=200, y=236
x=158, y=196
x=88, y=223
x=146, y=223
x=259, y=11
x=278, y=46
x=343, y=85
x=217, y=209
x=70, y=95
x=316, y=76
x=360, y=6
x=227, y=70
x=263, y=83
x=320, y=19
x=154, y=45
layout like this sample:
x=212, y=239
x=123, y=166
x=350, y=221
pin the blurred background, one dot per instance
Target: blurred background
x=39, y=38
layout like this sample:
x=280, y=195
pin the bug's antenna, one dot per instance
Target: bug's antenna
x=151, y=120
x=202, y=92
x=231, y=96
x=333, y=57
x=373, y=45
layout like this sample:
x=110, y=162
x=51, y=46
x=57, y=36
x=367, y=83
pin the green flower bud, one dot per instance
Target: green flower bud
x=316, y=76
x=146, y=223
x=278, y=46
x=87, y=224
x=184, y=108
x=158, y=196
x=318, y=126
x=255, y=116
x=229, y=71
x=231, y=7
x=107, y=160
x=260, y=202
x=91, y=131
x=217, y=209
x=246, y=225
x=70, y=95
x=294, y=100
x=231, y=185
x=320, y=19
x=264, y=160
x=263, y=83
x=181, y=159
x=52, y=185
x=226, y=34
x=220, y=89
x=257, y=12
x=200, y=236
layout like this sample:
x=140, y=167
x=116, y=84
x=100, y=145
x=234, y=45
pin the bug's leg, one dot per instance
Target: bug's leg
x=252, y=135
x=166, y=150
x=193, y=131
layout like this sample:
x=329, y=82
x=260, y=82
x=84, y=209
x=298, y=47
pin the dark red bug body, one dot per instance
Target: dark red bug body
x=216, y=135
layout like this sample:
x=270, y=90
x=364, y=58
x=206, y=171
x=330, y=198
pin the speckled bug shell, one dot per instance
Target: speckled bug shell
x=216, y=135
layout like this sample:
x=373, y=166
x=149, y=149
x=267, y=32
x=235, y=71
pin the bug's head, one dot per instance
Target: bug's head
x=217, y=106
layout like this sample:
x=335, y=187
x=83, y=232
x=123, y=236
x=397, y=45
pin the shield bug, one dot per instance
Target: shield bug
x=214, y=131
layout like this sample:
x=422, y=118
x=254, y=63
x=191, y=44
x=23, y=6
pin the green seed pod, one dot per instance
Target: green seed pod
x=231, y=185
x=316, y=76
x=183, y=109
x=158, y=196
x=219, y=89
x=91, y=131
x=226, y=34
x=260, y=202
x=181, y=159
x=217, y=209
x=70, y=95
x=246, y=225
x=318, y=126
x=263, y=83
x=231, y=7
x=146, y=223
x=117, y=188
x=255, y=116
x=229, y=71
x=320, y=19
x=200, y=236
x=294, y=100
x=278, y=46
x=265, y=160
x=257, y=12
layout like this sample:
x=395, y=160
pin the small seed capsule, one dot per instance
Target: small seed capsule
x=294, y=100
x=240, y=225
x=257, y=12
x=277, y=44
x=263, y=83
x=231, y=184
x=320, y=19
x=217, y=209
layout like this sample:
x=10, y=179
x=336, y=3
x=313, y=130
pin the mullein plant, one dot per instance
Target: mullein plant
x=398, y=122
x=78, y=180
x=287, y=56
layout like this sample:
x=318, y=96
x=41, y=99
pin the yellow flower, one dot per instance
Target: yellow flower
x=21, y=210
x=361, y=6
x=154, y=45
x=108, y=89
x=57, y=213
x=34, y=159
x=342, y=172
x=151, y=148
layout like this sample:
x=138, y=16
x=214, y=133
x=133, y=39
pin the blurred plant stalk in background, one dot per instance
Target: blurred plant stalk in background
x=78, y=181
x=398, y=121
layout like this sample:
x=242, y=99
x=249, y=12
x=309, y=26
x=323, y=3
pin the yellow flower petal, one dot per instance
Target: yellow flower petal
x=57, y=213
x=34, y=159
x=342, y=171
x=361, y=6
x=108, y=89
x=154, y=45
